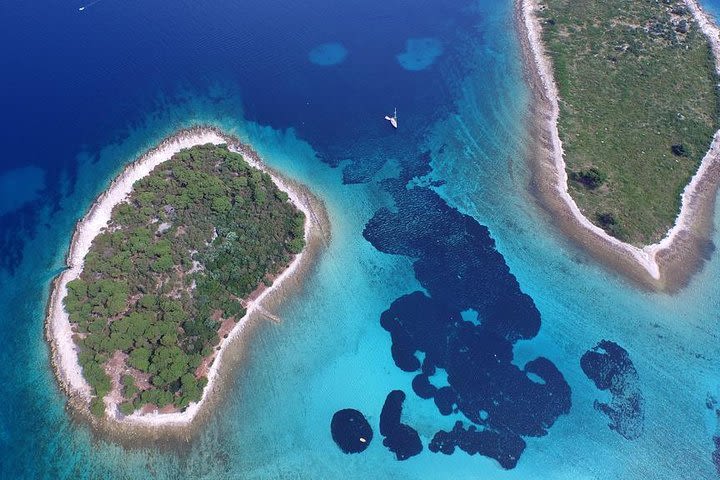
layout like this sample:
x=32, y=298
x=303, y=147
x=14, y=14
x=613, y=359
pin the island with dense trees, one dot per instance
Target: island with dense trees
x=170, y=274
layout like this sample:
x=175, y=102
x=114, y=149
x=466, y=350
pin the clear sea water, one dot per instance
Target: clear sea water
x=85, y=92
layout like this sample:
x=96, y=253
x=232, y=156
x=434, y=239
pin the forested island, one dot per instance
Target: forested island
x=638, y=107
x=170, y=274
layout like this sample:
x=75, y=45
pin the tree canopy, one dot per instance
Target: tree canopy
x=198, y=234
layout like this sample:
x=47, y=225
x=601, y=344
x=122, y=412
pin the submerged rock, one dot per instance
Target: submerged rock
x=456, y=262
x=609, y=366
x=328, y=54
x=351, y=431
x=503, y=447
x=716, y=454
x=420, y=53
x=400, y=439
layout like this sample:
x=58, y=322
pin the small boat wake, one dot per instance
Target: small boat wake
x=88, y=5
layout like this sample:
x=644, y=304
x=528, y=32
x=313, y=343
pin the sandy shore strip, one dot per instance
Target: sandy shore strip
x=58, y=327
x=666, y=265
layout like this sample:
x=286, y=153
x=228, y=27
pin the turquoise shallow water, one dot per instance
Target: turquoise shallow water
x=331, y=352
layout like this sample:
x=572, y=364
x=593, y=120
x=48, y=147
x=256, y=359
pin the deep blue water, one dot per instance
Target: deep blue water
x=443, y=280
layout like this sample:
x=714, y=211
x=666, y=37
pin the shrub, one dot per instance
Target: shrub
x=127, y=408
x=140, y=359
x=606, y=219
x=296, y=245
x=129, y=386
x=591, y=178
x=97, y=378
x=680, y=150
x=97, y=407
x=610, y=224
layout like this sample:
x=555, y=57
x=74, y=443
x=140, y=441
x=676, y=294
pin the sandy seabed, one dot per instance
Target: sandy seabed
x=666, y=265
x=59, y=330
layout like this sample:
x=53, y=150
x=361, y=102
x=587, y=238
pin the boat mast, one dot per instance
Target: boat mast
x=393, y=119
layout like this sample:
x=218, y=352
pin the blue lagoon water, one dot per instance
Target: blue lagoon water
x=432, y=223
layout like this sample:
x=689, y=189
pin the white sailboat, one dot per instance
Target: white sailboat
x=393, y=120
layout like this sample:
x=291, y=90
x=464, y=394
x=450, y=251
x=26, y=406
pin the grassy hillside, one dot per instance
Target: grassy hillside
x=638, y=108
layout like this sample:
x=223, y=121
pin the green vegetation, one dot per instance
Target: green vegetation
x=592, y=178
x=638, y=107
x=197, y=235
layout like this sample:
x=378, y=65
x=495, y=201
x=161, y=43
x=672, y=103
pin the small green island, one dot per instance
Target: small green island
x=170, y=275
x=638, y=105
